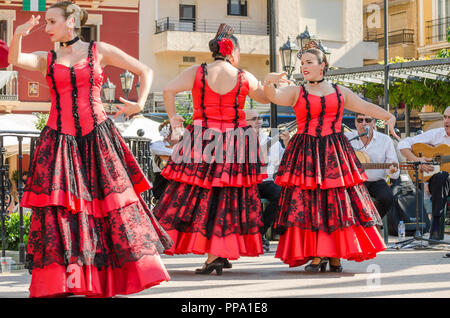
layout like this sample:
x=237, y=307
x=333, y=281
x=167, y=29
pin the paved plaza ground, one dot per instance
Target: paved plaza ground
x=405, y=273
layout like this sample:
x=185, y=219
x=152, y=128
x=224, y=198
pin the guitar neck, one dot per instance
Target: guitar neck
x=376, y=165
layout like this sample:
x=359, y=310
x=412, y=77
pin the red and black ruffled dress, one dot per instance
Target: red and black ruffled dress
x=91, y=233
x=211, y=204
x=325, y=209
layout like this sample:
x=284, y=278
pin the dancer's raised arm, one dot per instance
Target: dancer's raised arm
x=282, y=96
x=35, y=61
x=111, y=55
x=183, y=82
x=354, y=103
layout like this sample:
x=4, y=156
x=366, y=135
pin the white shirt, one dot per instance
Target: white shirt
x=432, y=137
x=380, y=150
x=160, y=148
x=274, y=156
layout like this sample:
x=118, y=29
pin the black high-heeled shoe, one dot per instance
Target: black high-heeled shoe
x=216, y=265
x=321, y=266
x=336, y=268
x=226, y=263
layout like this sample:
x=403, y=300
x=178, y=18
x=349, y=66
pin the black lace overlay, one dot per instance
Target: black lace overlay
x=91, y=82
x=60, y=236
x=327, y=210
x=217, y=211
x=196, y=161
x=92, y=166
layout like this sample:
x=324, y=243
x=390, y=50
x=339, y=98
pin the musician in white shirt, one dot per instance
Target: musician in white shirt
x=380, y=149
x=161, y=148
x=439, y=184
x=268, y=189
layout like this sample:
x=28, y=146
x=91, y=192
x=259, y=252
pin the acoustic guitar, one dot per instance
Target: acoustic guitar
x=363, y=157
x=162, y=160
x=439, y=154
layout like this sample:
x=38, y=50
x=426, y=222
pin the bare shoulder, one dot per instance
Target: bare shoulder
x=191, y=70
x=104, y=47
x=251, y=79
x=344, y=90
x=249, y=75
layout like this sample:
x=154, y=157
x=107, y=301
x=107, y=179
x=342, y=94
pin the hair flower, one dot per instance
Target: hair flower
x=225, y=46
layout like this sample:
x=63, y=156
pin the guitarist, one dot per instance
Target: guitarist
x=439, y=183
x=380, y=149
x=268, y=189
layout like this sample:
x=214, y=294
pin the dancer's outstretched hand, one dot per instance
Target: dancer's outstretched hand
x=25, y=28
x=276, y=78
x=391, y=126
x=176, y=121
x=130, y=108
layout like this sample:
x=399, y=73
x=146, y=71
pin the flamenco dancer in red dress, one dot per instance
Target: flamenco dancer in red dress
x=91, y=233
x=212, y=206
x=325, y=211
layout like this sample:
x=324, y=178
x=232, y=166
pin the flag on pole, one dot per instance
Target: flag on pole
x=34, y=5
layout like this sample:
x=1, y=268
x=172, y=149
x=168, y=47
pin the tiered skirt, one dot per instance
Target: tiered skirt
x=212, y=203
x=324, y=208
x=91, y=233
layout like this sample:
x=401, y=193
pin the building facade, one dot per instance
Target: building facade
x=417, y=28
x=112, y=21
x=174, y=34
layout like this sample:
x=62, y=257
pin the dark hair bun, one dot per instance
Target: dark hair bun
x=214, y=47
x=83, y=16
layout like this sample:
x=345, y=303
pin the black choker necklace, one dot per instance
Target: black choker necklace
x=66, y=44
x=316, y=82
x=221, y=59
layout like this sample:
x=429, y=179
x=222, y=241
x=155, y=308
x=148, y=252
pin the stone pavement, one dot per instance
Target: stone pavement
x=405, y=273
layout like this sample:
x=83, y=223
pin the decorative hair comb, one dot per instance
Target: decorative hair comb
x=165, y=131
x=226, y=46
x=224, y=31
x=310, y=45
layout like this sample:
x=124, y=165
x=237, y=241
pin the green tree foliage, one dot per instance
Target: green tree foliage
x=184, y=108
x=12, y=230
x=41, y=121
x=414, y=93
x=445, y=53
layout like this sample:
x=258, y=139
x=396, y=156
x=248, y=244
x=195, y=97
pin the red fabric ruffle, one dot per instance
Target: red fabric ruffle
x=326, y=162
x=195, y=161
x=232, y=246
x=96, y=208
x=356, y=243
x=94, y=174
x=57, y=280
x=224, y=179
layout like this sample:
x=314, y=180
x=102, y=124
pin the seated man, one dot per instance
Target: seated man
x=380, y=149
x=268, y=189
x=161, y=151
x=439, y=184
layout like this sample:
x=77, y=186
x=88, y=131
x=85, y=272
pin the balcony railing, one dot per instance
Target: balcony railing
x=395, y=37
x=9, y=85
x=210, y=26
x=436, y=30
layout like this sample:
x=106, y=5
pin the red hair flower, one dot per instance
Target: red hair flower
x=225, y=46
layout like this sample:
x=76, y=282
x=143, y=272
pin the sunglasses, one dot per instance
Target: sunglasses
x=255, y=118
x=367, y=120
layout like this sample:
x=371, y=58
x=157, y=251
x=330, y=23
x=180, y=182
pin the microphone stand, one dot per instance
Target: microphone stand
x=359, y=136
x=418, y=239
